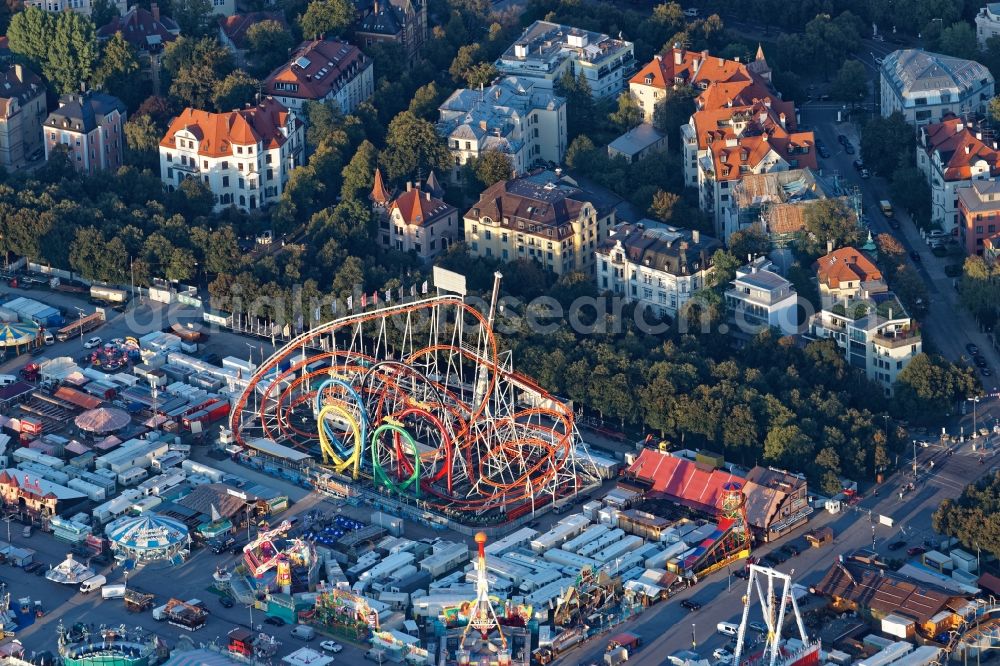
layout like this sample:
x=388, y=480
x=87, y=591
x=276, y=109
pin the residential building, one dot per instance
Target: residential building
x=147, y=32
x=223, y=7
x=243, y=156
x=402, y=22
x=84, y=7
x=681, y=67
x=952, y=154
x=519, y=117
x=925, y=87
x=547, y=50
x=979, y=214
x=991, y=249
x=233, y=30
x=845, y=274
x=544, y=216
x=660, y=269
x=987, y=23
x=22, y=112
x=773, y=202
x=323, y=70
x=875, y=332
x=740, y=126
x=637, y=143
x=760, y=298
x=776, y=501
x=417, y=220
x=91, y=127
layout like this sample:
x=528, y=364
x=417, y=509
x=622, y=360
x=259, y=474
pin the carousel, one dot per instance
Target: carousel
x=17, y=337
x=150, y=537
x=102, y=421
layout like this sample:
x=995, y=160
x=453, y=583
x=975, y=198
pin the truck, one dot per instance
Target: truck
x=115, y=591
x=209, y=414
x=560, y=644
x=615, y=657
x=108, y=294
x=886, y=207
x=626, y=640
x=81, y=326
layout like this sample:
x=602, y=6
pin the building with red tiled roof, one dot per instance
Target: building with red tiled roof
x=740, y=126
x=144, y=29
x=243, y=156
x=683, y=481
x=979, y=215
x=417, y=220
x=845, y=273
x=233, y=29
x=952, y=154
x=323, y=70
x=22, y=110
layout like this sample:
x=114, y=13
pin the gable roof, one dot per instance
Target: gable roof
x=216, y=133
x=317, y=69
x=959, y=148
x=420, y=208
x=141, y=28
x=846, y=265
x=235, y=27
x=387, y=19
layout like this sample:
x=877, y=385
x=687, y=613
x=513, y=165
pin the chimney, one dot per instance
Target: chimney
x=409, y=185
x=781, y=119
x=736, y=59
x=658, y=58
x=696, y=63
x=375, y=7
x=829, y=246
x=678, y=55
x=427, y=195
x=968, y=148
x=979, y=136
x=959, y=127
x=155, y=10
x=695, y=236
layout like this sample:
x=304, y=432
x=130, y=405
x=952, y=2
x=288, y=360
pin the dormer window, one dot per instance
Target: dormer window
x=649, y=79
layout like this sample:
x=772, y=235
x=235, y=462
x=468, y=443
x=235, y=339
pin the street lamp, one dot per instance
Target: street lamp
x=694, y=641
x=974, y=401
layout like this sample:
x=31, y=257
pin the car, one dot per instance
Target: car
x=878, y=61
x=93, y=342
x=916, y=550
x=972, y=349
x=842, y=138
x=859, y=164
x=690, y=604
x=878, y=38
x=980, y=361
x=274, y=621
x=331, y=646
x=778, y=556
x=985, y=372
x=915, y=256
x=864, y=173
x=896, y=545
x=34, y=566
x=849, y=149
x=40, y=571
x=823, y=151
x=722, y=656
x=741, y=573
x=227, y=602
x=791, y=549
x=759, y=627
x=894, y=224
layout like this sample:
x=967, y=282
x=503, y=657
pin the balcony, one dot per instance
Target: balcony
x=900, y=338
x=190, y=167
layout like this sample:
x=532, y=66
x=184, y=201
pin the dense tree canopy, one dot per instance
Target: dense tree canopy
x=974, y=517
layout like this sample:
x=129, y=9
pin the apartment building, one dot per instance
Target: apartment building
x=952, y=155
x=545, y=217
x=987, y=23
x=91, y=127
x=547, y=50
x=761, y=298
x=522, y=118
x=244, y=156
x=323, y=70
x=84, y=7
x=417, y=220
x=659, y=268
x=926, y=87
x=402, y=22
x=845, y=274
x=22, y=112
x=774, y=203
x=979, y=215
x=875, y=333
x=681, y=67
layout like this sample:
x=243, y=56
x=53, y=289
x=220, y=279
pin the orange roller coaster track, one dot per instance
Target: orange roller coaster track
x=416, y=400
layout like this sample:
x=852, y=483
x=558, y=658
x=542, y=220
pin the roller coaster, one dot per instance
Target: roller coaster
x=417, y=401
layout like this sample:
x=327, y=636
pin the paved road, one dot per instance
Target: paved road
x=667, y=627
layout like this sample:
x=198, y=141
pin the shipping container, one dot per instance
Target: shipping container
x=108, y=294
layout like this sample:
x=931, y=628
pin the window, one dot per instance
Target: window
x=242, y=185
x=225, y=181
x=170, y=174
x=239, y=150
x=170, y=158
x=204, y=164
x=225, y=165
x=267, y=158
x=489, y=235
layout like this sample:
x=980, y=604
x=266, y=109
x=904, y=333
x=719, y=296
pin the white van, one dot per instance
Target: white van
x=7, y=380
x=26, y=532
x=728, y=628
x=304, y=632
x=48, y=338
x=116, y=591
x=92, y=583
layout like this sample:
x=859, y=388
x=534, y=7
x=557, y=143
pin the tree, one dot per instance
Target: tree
x=426, y=101
x=995, y=109
x=235, y=90
x=492, y=167
x=664, y=205
x=890, y=249
x=674, y=111
x=359, y=174
x=116, y=71
x=223, y=253
x=103, y=12
x=851, y=83
x=268, y=43
x=628, y=114
x=979, y=289
x=887, y=143
x=959, y=40
x=197, y=66
x=828, y=221
x=194, y=17
x=927, y=388
x=30, y=35
x=413, y=145
x=326, y=17
x=579, y=103
x=911, y=191
x=911, y=290
x=480, y=74
x=73, y=52
x=142, y=139
x=973, y=517
x=724, y=265
x=788, y=446
x=750, y=242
